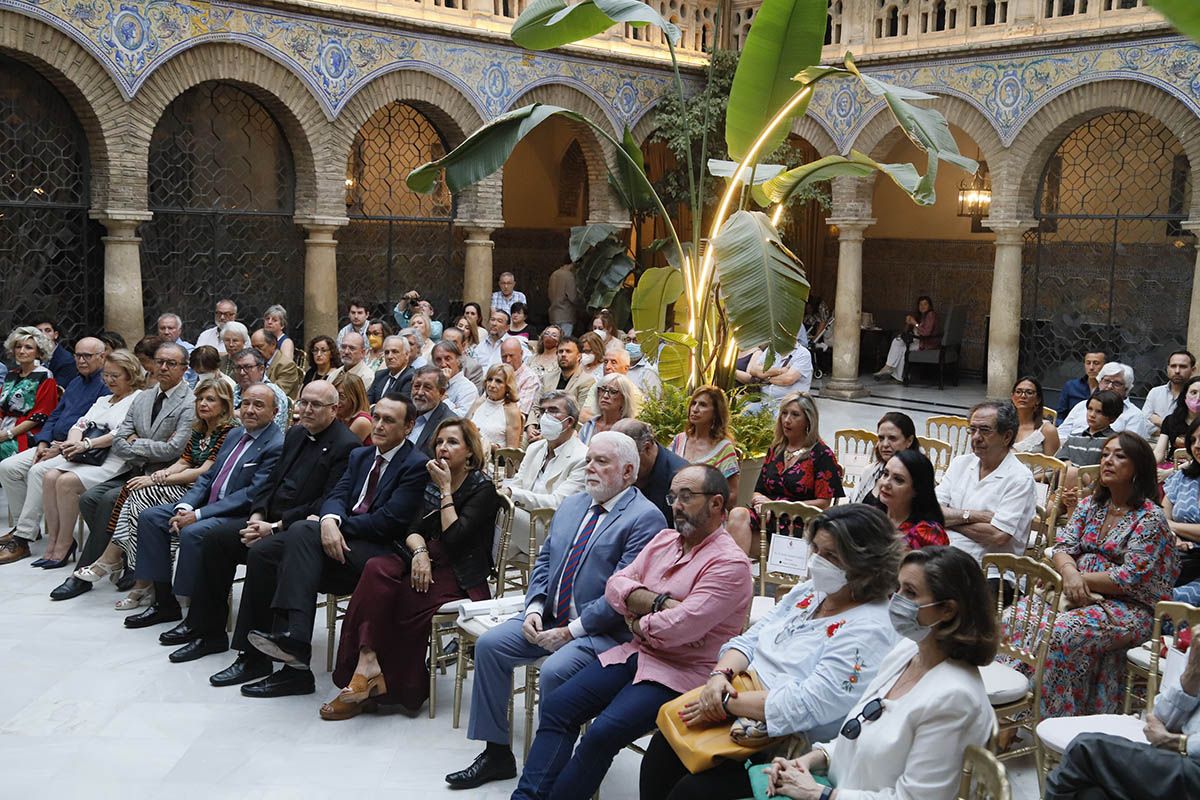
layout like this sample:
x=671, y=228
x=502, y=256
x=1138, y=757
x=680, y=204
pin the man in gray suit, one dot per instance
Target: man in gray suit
x=566, y=617
x=153, y=435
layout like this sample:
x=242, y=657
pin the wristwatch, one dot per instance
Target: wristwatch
x=276, y=526
x=966, y=515
x=826, y=793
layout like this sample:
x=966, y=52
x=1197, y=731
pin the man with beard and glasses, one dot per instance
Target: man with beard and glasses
x=685, y=595
x=567, y=621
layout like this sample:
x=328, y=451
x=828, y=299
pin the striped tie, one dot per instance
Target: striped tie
x=562, y=612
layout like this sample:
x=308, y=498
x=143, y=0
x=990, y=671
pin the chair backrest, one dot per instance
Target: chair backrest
x=505, y=462
x=1048, y=474
x=950, y=429
x=1181, y=457
x=779, y=518
x=939, y=454
x=504, y=522
x=1177, y=613
x=1089, y=479
x=854, y=448
x=1049, y=414
x=955, y=324
x=1027, y=624
x=984, y=777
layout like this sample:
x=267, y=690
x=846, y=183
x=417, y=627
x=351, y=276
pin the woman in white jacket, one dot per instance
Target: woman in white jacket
x=905, y=737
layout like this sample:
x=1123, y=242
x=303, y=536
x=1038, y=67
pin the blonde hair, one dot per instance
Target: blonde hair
x=632, y=404
x=511, y=393
x=42, y=342
x=720, y=404
x=808, y=407
x=224, y=393
x=128, y=362
x=351, y=385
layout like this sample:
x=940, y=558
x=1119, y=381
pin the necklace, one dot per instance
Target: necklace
x=793, y=454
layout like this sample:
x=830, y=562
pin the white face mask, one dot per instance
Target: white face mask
x=552, y=427
x=826, y=577
x=603, y=334
x=587, y=359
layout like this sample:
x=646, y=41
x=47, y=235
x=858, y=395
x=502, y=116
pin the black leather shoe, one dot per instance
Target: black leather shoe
x=282, y=647
x=180, y=634
x=247, y=667
x=155, y=615
x=199, y=648
x=486, y=767
x=71, y=587
x=126, y=581
x=284, y=683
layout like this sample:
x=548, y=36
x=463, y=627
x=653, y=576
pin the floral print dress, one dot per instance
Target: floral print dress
x=815, y=476
x=1085, y=665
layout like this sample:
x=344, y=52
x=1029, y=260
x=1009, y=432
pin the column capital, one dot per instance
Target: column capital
x=478, y=234
x=1008, y=231
x=851, y=228
x=318, y=224
x=488, y=225
x=1192, y=225
x=120, y=223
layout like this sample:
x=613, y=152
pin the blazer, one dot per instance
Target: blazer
x=402, y=384
x=284, y=373
x=162, y=441
x=62, y=365
x=397, y=498
x=658, y=482
x=468, y=542
x=560, y=479
x=244, y=481
x=443, y=411
x=618, y=539
x=297, y=487
x=579, y=386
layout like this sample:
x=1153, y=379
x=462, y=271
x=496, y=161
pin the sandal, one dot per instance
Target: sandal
x=95, y=571
x=362, y=688
x=136, y=599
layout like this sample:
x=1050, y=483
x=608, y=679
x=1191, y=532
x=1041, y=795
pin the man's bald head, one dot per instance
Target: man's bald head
x=89, y=355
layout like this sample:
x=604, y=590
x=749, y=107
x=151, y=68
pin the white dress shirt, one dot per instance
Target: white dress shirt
x=1132, y=419
x=460, y=394
x=1160, y=401
x=212, y=338
x=1008, y=492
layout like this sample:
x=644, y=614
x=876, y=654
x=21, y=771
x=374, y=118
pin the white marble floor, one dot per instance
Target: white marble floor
x=89, y=709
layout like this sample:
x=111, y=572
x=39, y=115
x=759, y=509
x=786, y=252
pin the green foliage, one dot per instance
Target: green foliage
x=628, y=179
x=1183, y=14
x=602, y=260
x=666, y=412
x=546, y=24
x=656, y=289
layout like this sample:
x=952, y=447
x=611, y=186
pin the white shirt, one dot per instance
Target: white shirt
x=531, y=486
x=212, y=338
x=1132, y=419
x=1008, y=492
x=1160, y=401
x=914, y=751
x=645, y=378
x=387, y=461
x=348, y=328
x=460, y=394
x=487, y=352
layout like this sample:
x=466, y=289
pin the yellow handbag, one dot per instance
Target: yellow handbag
x=699, y=747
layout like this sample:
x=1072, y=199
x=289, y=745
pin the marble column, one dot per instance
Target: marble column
x=1193, y=331
x=1004, y=331
x=123, y=311
x=477, y=267
x=320, y=276
x=847, y=310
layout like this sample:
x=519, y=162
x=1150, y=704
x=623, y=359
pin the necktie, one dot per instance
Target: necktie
x=214, y=493
x=158, y=403
x=566, y=584
x=372, y=485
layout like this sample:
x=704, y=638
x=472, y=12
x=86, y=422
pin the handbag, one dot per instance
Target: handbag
x=700, y=746
x=97, y=455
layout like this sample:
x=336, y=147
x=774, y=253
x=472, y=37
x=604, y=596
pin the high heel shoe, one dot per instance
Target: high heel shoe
x=62, y=562
x=95, y=571
x=136, y=599
x=40, y=562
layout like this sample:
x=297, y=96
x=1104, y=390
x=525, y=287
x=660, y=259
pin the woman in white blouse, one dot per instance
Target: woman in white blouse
x=905, y=737
x=895, y=431
x=815, y=653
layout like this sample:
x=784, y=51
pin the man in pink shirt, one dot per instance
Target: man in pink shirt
x=685, y=595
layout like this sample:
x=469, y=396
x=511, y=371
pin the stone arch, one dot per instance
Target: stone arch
x=88, y=88
x=811, y=131
x=319, y=190
x=1047, y=128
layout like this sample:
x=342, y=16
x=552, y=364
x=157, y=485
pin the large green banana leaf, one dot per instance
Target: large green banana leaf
x=656, y=289
x=1183, y=14
x=781, y=188
x=585, y=237
x=628, y=178
x=546, y=24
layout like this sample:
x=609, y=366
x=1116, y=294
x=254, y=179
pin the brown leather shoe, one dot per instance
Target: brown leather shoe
x=362, y=688
x=14, y=550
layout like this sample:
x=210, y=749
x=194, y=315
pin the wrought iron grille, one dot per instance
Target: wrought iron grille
x=51, y=259
x=222, y=188
x=1107, y=266
x=396, y=240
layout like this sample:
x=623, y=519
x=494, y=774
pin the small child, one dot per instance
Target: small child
x=1083, y=449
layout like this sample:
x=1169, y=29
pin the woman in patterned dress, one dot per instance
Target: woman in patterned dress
x=29, y=393
x=706, y=439
x=1117, y=558
x=799, y=466
x=1181, y=504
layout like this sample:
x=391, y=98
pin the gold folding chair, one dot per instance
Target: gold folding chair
x=939, y=454
x=1048, y=472
x=1026, y=627
x=984, y=777
x=1141, y=662
x=1181, y=457
x=854, y=448
x=779, y=518
x=505, y=462
x=1089, y=478
x=335, y=609
x=952, y=430
x=1049, y=414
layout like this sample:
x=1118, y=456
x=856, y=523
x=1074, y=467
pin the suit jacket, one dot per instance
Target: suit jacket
x=62, y=365
x=560, y=479
x=297, y=488
x=402, y=385
x=470, y=367
x=617, y=540
x=436, y=416
x=162, y=441
x=284, y=373
x=579, y=387
x=397, y=498
x=245, y=479
x=658, y=482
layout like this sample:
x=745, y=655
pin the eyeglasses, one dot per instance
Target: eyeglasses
x=89, y=355
x=1110, y=383
x=244, y=367
x=608, y=390
x=169, y=363
x=980, y=429
x=871, y=712
x=686, y=495
x=1024, y=393
x=312, y=404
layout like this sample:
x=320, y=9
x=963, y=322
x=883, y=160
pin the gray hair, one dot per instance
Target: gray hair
x=625, y=450
x=270, y=338
x=558, y=394
x=395, y=336
x=443, y=383
x=169, y=315
x=412, y=333
x=1007, y=421
x=277, y=311
x=448, y=347
x=251, y=352
x=1112, y=368
x=42, y=342
x=641, y=432
x=233, y=326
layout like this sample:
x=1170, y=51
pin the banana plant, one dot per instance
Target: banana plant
x=743, y=286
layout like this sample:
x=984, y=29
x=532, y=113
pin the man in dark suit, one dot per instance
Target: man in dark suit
x=219, y=497
x=62, y=361
x=566, y=619
x=657, y=467
x=396, y=375
x=429, y=386
x=315, y=453
x=370, y=508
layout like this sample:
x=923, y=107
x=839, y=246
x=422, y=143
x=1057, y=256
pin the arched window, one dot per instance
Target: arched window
x=572, y=181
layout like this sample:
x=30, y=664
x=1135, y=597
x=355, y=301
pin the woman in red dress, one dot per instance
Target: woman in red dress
x=447, y=557
x=907, y=493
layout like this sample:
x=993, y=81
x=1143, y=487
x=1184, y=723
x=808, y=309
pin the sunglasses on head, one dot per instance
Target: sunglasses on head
x=871, y=712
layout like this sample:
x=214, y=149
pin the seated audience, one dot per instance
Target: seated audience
x=249, y=368
x=657, y=465
x=1117, y=559
x=567, y=620
x=1162, y=400
x=707, y=438
x=798, y=466
x=1098, y=766
x=358, y=316
x=416, y=347
x=323, y=359
x=788, y=374
x=604, y=326
x=906, y=735
x=29, y=393
x=219, y=498
x=496, y=413
x=224, y=312
x=545, y=352
x=517, y=324
x=377, y=331
x=281, y=372
x=487, y=352
x=470, y=330
x=922, y=331
x=469, y=366
x=529, y=385
x=643, y=374
x=428, y=396
x=21, y=473
x=1035, y=433
x=170, y=329
x=687, y=592
x=570, y=375
x=61, y=362
x=1113, y=377
x=154, y=434
x=1175, y=425
x=112, y=341
x=814, y=654
x=275, y=320
x=591, y=355
x=314, y=456
x=894, y=432
x=1181, y=506
x=205, y=363
x=988, y=496
x=236, y=338
x=68, y=475
x=396, y=374
x=1079, y=389
x=353, y=411
x=474, y=314
x=461, y=394
x=214, y=420
x=353, y=352
x=145, y=350
x=446, y=557
x=1083, y=449
x=424, y=326
x=371, y=508
x=506, y=296
x=616, y=399
x=908, y=494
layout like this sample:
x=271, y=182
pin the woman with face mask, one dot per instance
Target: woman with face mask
x=815, y=653
x=591, y=358
x=1175, y=425
x=377, y=331
x=906, y=735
